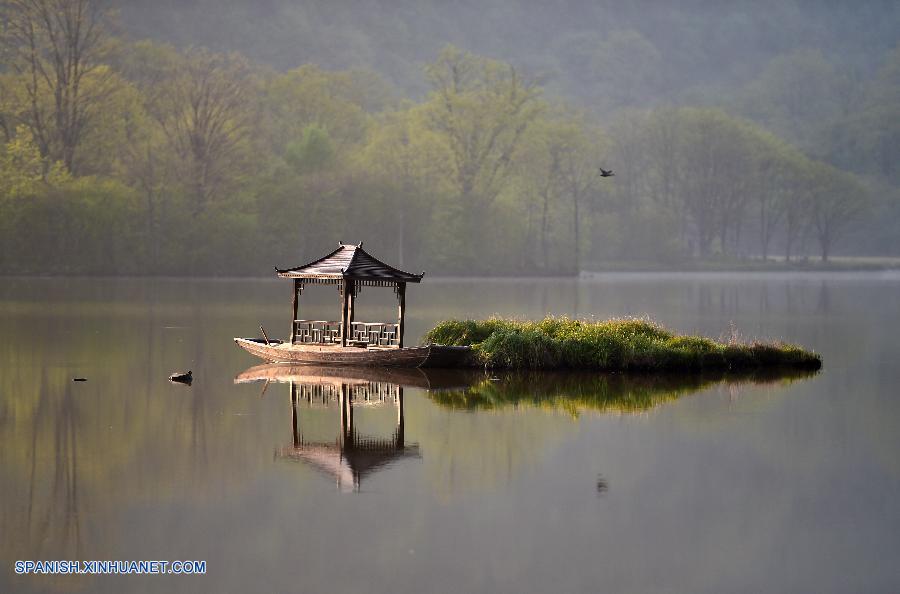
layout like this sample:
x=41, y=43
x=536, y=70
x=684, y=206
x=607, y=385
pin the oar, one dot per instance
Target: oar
x=266, y=336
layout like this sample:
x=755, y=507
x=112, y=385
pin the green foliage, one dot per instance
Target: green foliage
x=479, y=110
x=81, y=226
x=795, y=94
x=332, y=102
x=23, y=171
x=612, y=345
x=313, y=152
x=703, y=178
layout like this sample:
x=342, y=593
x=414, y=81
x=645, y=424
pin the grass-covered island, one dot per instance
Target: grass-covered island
x=611, y=345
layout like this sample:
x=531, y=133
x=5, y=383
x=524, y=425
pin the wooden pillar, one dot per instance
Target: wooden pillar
x=345, y=313
x=350, y=435
x=346, y=402
x=343, y=402
x=295, y=304
x=401, y=311
x=400, y=440
x=295, y=433
x=351, y=307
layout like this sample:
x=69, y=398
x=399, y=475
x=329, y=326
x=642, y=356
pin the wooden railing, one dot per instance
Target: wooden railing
x=375, y=333
x=361, y=333
x=317, y=332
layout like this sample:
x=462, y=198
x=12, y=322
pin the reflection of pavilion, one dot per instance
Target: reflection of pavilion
x=351, y=456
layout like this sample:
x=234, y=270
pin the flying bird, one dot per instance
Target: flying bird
x=606, y=172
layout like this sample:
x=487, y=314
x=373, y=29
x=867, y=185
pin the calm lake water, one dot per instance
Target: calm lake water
x=515, y=484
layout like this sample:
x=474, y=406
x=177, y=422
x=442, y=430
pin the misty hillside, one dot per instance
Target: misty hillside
x=219, y=137
x=614, y=53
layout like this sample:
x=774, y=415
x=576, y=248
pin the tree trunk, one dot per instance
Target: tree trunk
x=401, y=225
x=825, y=242
x=575, y=229
x=544, y=227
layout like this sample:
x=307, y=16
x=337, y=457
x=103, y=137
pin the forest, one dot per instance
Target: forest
x=226, y=138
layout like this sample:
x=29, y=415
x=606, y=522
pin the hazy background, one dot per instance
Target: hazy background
x=224, y=137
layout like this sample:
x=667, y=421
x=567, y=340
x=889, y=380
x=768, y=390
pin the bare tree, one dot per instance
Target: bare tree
x=579, y=172
x=56, y=49
x=482, y=108
x=838, y=200
x=205, y=111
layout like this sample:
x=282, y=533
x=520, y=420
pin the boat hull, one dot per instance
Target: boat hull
x=418, y=356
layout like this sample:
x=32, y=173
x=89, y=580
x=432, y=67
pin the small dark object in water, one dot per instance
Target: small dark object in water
x=602, y=485
x=182, y=378
x=79, y=379
x=606, y=172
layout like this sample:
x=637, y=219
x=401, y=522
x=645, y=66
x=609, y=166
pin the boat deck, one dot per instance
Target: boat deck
x=318, y=347
x=428, y=355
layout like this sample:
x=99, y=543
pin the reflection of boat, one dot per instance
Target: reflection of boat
x=349, y=342
x=429, y=379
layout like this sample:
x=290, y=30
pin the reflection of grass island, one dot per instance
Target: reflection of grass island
x=612, y=345
x=576, y=392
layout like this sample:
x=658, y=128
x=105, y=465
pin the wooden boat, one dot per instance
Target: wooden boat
x=276, y=351
x=347, y=342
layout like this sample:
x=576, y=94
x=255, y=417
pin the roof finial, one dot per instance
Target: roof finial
x=359, y=245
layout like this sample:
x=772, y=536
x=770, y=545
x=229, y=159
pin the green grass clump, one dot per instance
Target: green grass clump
x=613, y=345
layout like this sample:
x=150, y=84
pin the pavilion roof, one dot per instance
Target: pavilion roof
x=349, y=465
x=352, y=262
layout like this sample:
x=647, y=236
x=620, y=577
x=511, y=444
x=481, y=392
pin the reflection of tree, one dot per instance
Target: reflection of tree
x=65, y=476
x=477, y=451
x=125, y=437
x=823, y=305
x=467, y=451
x=199, y=403
x=52, y=517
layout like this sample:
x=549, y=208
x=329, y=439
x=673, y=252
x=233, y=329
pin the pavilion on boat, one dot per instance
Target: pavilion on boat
x=350, y=268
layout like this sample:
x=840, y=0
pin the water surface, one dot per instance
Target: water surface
x=511, y=484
